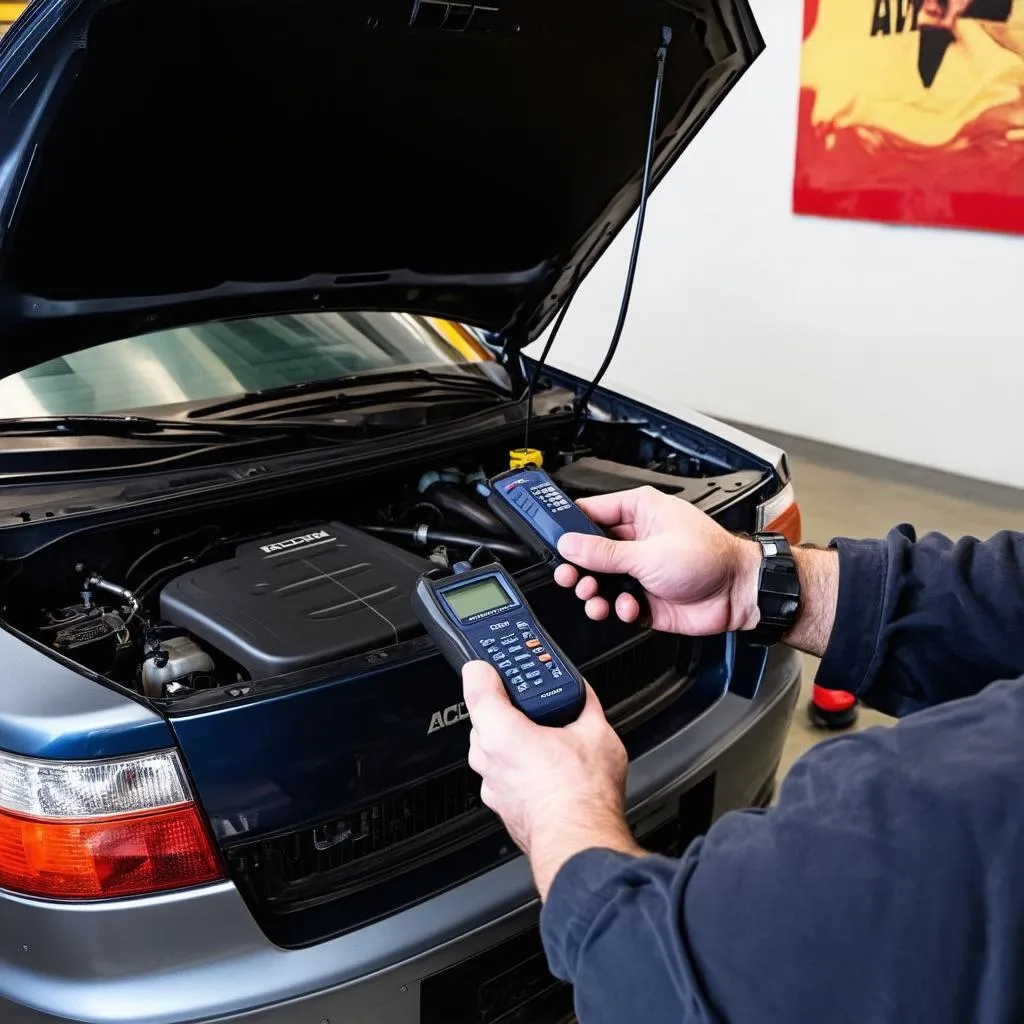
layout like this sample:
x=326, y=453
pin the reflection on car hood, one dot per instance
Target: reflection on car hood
x=170, y=161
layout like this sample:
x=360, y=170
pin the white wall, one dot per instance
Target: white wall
x=903, y=342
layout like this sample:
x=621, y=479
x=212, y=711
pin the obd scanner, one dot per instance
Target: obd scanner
x=481, y=615
x=538, y=512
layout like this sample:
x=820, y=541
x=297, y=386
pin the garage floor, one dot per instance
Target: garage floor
x=846, y=494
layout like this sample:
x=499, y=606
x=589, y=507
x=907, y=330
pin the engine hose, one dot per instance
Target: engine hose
x=131, y=601
x=451, y=500
x=428, y=513
x=424, y=537
x=170, y=542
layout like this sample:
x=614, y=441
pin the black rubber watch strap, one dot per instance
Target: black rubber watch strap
x=778, y=591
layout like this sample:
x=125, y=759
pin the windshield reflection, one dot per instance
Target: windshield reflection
x=227, y=359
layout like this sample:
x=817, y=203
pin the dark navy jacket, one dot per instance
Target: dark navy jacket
x=887, y=885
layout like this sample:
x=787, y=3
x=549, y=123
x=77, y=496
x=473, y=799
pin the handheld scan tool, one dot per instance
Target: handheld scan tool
x=481, y=615
x=538, y=512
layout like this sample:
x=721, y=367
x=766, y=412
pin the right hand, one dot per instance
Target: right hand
x=945, y=15
x=699, y=579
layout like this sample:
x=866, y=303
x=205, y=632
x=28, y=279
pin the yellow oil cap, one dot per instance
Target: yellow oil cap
x=520, y=458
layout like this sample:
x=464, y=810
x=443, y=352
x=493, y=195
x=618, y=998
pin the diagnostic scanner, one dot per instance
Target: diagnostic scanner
x=538, y=512
x=481, y=615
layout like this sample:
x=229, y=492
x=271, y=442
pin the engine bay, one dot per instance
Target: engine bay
x=303, y=579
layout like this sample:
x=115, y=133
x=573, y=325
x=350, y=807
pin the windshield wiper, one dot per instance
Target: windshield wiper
x=427, y=382
x=148, y=428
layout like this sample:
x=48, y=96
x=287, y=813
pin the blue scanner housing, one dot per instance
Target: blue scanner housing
x=537, y=510
x=481, y=615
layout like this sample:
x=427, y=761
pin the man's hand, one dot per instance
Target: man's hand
x=558, y=791
x=700, y=580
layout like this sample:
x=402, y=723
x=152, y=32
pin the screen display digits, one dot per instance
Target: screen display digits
x=477, y=598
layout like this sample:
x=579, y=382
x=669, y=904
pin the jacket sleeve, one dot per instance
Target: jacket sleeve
x=879, y=875
x=923, y=621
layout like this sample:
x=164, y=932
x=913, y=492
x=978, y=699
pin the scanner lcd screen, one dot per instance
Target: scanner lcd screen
x=477, y=598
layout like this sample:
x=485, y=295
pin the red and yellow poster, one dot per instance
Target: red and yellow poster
x=912, y=111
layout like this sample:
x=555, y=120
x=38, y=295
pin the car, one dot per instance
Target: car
x=270, y=281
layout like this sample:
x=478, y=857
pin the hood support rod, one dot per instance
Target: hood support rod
x=645, y=191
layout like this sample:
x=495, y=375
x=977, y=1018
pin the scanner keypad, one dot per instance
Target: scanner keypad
x=522, y=659
x=550, y=497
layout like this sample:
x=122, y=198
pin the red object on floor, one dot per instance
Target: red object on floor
x=832, y=700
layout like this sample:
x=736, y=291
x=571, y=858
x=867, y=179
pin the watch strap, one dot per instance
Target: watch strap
x=778, y=591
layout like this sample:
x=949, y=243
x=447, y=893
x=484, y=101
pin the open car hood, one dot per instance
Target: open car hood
x=169, y=161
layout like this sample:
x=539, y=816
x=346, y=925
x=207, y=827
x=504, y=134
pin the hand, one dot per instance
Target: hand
x=558, y=791
x=945, y=15
x=700, y=580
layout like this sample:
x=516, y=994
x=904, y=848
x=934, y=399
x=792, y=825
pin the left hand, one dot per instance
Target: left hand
x=558, y=790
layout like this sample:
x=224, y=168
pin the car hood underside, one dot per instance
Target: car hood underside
x=176, y=160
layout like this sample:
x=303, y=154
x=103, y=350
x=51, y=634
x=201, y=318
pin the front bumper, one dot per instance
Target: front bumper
x=199, y=956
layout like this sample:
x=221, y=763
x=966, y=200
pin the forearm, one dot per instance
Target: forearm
x=818, y=572
x=596, y=829
x=904, y=623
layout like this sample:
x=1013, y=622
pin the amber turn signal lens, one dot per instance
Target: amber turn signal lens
x=781, y=514
x=789, y=523
x=102, y=858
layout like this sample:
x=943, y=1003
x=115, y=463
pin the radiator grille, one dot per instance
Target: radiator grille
x=510, y=983
x=430, y=818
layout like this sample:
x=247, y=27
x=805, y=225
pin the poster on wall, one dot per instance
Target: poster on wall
x=912, y=112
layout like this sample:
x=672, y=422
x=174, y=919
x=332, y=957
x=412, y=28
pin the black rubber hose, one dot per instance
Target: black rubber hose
x=145, y=556
x=425, y=538
x=450, y=499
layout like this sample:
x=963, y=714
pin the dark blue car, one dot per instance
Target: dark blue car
x=266, y=279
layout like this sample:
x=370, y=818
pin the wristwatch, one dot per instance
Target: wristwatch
x=778, y=591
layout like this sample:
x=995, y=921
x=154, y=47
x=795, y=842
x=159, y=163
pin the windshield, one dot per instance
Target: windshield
x=222, y=360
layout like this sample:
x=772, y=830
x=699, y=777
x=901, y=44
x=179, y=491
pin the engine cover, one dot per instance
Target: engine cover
x=301, y=599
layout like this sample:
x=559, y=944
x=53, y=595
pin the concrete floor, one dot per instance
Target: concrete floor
x=843, y=494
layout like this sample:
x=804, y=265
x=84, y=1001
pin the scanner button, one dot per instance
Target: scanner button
x=532, y=643
x=544, y=658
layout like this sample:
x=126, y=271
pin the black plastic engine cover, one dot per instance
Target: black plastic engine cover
x=301, y=599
